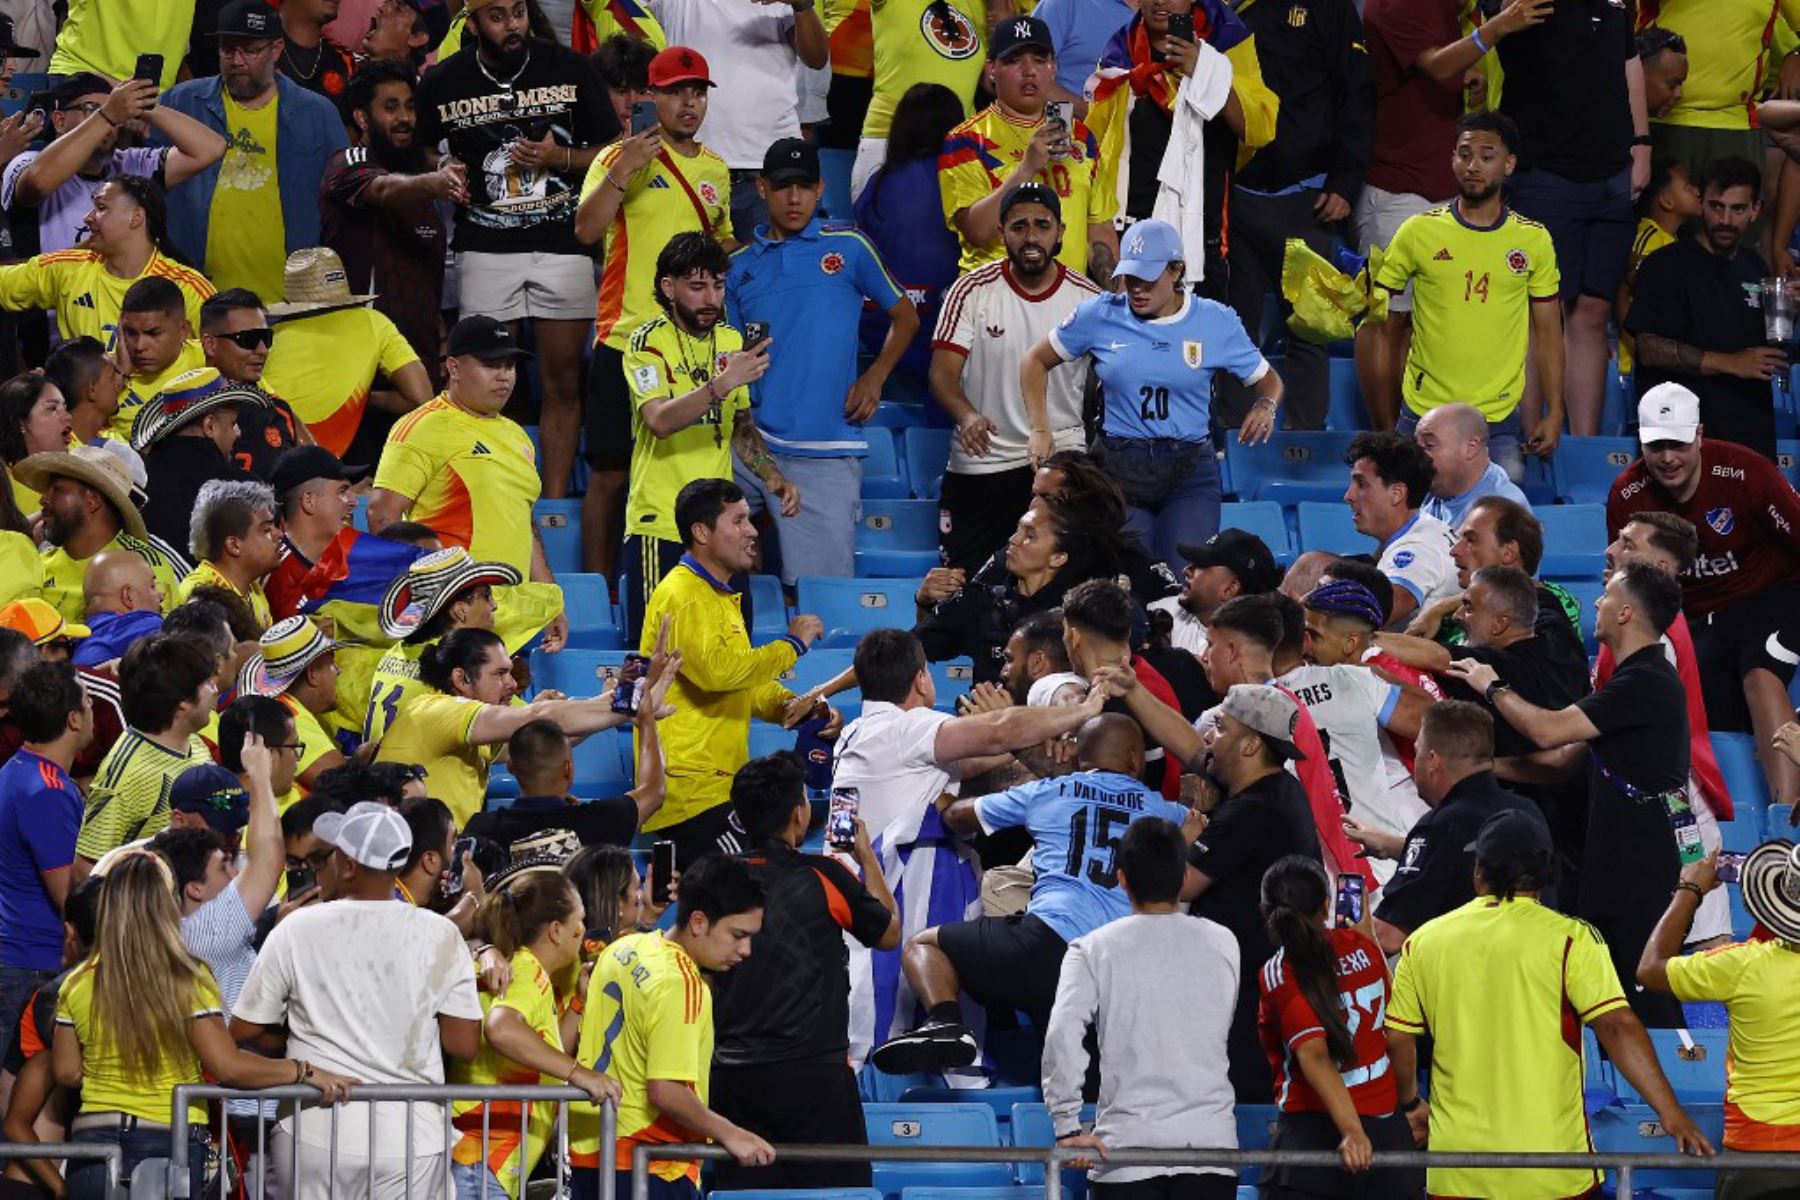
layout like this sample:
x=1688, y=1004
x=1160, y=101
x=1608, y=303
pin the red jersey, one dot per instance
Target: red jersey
x=1285, y=1020
x=1152, y=681
x=1702, y=765
x=1386, y=664
x=1746, y=514
x=1328, y=807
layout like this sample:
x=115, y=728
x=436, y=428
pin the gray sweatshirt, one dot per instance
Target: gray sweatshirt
x=1159, y=990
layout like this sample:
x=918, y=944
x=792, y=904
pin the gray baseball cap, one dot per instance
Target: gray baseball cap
x=371, y=833
x=1269, y=711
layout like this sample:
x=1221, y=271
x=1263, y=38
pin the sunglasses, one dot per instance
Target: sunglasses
x=249, y=339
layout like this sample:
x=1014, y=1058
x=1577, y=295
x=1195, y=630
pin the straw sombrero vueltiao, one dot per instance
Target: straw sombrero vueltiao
x=188, y=397
x=1770, y=881
x=105, y=472
x=314, y=281
x=547, y=850
x=432, y=582
x=285, y=651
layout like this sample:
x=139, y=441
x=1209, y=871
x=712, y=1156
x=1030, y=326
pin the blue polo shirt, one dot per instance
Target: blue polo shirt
x=40, y=814
x=809, y=289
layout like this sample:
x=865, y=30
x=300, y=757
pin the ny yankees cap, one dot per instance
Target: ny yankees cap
x=484, y=338
x=1019, y=33
x=1147, y=250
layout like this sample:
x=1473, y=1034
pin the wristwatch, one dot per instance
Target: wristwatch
x=1499, y=685
x=1411, y=1105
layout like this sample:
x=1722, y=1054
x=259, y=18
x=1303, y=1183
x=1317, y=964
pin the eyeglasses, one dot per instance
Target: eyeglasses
x=245, y=50
x=296, y=747
x=86, y=110
x=315, y=860
x=249, y=339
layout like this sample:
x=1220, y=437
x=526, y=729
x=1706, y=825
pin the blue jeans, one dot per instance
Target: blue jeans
x=820, y=539
x=17, y=986
x=467, y=1178
x=1171, y=491
x=1506, y=440
x=87, y=1180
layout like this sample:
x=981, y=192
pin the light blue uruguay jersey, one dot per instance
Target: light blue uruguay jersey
x=1158, y=372
x=1076, y=822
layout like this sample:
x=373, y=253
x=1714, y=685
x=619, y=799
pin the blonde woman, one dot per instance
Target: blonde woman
x=143, y=1015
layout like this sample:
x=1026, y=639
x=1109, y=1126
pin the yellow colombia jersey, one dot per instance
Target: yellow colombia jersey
x=324, y=367
x=672, y=195
x=1471, y=288
x=19, y=564
x=105, y=1085
x=63, y=575
x=923, y=41
x=472, y=479
x=85, y=296
x=629, y=17
x=983, y=151
x=722, y=684
x=207, y=575
x=1502, y=1041
x=662, y=361
x=433, y=731
x=648, y=1016
x=129, y=798
x=106, y=39
x=1650, y=238
x=532, y=996
x=1727, y=47
x=142, y=388
x=315, y=743
x=1758, y=981
x=396, y=681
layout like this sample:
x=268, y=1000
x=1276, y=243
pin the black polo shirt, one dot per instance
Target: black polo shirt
x=1436, y=871
x=1548, y=670
x=1565, y=86
x=610, y=821
x=1268, y=820
x=790, y=1000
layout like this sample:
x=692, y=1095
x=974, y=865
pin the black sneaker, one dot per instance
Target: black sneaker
x=933, y=1046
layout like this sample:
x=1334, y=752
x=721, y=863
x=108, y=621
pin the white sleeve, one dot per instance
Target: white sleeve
x=264, y=998
x=460, y=998
x=1065, y=1055
x=918, y=750
x=1417, y=565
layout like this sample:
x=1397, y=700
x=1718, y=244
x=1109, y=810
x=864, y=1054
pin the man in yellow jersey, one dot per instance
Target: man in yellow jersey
x=90, y=505
x=647, y=1021
x=167, y=692
x=689, y=376
x=1013, y=141
x=85, y=287
x=157, y=337
x=186, y=434
x=236, y=542
x=723, y=681
x=1495, y=984
x=297, y=664
x=639, y=193
x=332, y=347
x=247, y=212
x=106, y=38
x=1725, y=44
x=1482, y=275
x=1669, y=202
x=461, y=468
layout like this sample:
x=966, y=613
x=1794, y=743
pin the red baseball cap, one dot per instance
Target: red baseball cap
x=678, y=64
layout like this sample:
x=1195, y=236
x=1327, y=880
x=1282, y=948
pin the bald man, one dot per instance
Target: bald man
x=123, y=603
x=1456, y=438
x=1012, y=963
x=1304, y=575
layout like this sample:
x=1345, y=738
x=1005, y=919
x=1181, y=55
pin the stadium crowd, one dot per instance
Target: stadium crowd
x=363, y=355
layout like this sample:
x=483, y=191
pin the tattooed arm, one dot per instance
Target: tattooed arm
x=747, y=443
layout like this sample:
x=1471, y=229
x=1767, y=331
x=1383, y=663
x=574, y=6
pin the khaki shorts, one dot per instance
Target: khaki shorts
x=1378, y=216
x=509, y=287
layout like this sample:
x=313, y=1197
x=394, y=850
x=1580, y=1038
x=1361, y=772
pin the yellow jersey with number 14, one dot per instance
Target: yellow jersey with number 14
x=1473, y=289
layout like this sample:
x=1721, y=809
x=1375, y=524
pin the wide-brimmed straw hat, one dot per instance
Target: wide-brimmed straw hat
x=1770, y=880
x=285, y=651
x=105, y=472
x=188, y=397
x=314, y=281
x=432, y=582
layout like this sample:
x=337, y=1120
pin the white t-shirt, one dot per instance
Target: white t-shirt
x=889, y=755
x=750, y=48
x=1044, y=692
x=360, y=984
x=989, y=320
x=1418, y=559
x=1190, y=631
x=1350, y=705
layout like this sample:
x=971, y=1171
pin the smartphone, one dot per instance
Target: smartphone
x=1181, y=25
x=1730, y=864
x=299, y=879
x=840, y=818
x=149, y=68
x=459, y=854
x=755, y=334
x=643, y=116
x=1061, y=113
x=1349, y=899
x=630, y=687
x=662, y=871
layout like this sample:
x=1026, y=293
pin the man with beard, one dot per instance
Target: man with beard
x=308, y=57
x=1231, y=563
x=1697, y=317
x=235, y=336
x=988, y=321
x=527, y=116
x=689, y=376
x=1482, y=276
x=378, y=204
x=242, y=216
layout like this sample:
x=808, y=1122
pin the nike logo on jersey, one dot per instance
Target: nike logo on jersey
x=1117, y=345
x=481, y=449
x=1442, y=255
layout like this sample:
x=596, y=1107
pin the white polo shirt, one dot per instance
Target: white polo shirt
x=889, y=755
x=1190, y=631
x=1417, y=558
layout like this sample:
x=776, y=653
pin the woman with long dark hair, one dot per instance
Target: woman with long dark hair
x=33, y=420
x=1324, y=996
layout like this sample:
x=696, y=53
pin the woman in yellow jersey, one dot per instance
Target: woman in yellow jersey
x=612, y=895
x=33, y=420
x=535, y=918
x=142, y=1015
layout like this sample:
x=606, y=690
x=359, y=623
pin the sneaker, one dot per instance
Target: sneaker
x=933, y=1046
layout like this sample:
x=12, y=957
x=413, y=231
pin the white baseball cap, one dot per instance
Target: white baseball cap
x=371, y=833
x=1668, y=413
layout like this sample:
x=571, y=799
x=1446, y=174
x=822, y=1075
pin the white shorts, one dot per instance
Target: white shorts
x=1713, y=918
x=1378, y=216
x=871, y=153
x=510, y=287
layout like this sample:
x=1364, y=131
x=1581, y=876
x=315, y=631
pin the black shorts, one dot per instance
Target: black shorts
x=606, y=418
x=1009, y=963
x=1316, y=1131
x=1761, y=631
x=643, y=561
x=762, y=1100
x=977, y=513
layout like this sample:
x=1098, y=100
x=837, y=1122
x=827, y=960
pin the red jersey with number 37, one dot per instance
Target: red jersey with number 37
x=1286, y=1020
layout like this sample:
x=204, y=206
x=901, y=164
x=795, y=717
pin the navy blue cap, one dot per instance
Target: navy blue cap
x=1019, y=33
x=814, y=753
x=213, y=794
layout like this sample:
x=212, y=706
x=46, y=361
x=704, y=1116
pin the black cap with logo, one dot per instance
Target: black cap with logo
x=1019, y=33
x=484, y=338
x=791, y=160
x=1243, y=554
x=248, y=19
x=298, y=465
x=1032, y=193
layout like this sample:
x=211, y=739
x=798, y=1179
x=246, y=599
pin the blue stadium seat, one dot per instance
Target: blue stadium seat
x=1031, y=1126
x=897, y=538
x=934, y=1125
x=360, y=519
x=766, y=739
x=1634, y=1129
x=502, y=787
x=1599, y=1087
x=559, y=528
x=1586, y=466
x=927, y=453
x=603, y=764
x=1617, y=409
x=817, y=667
x=883, y=476
x=1697, y=1075
x=1744, y=783
x=1347, y=411
x=593, y=625
x=852, y=607
x=1586, y=591
x=952, y=677
x=893, y=415
x=838, y=203
x=575, y=672
x=847, y=1193
x=1001, y=1099
x=1286, y=462
x=1264, y=519
x=1539, y=484
x=768, y=609
x=1330, y=527
x=1787, y=457
x=1255, y=1131
x=1574, y=541
x=1015, y=1191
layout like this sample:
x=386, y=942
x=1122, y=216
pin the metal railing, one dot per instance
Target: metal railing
x=74, y=1152
x=440, y=1096
x=1054, y=1157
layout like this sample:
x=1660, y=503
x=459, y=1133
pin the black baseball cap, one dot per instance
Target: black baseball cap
x=70, y=88
x=9, y=41
x=1513, y=836
x=252, y=19
x=1243, y=554
x=791, y=160
x=484, y=338
x=1019, y=33
x=299, y=465
x=1032, y=193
